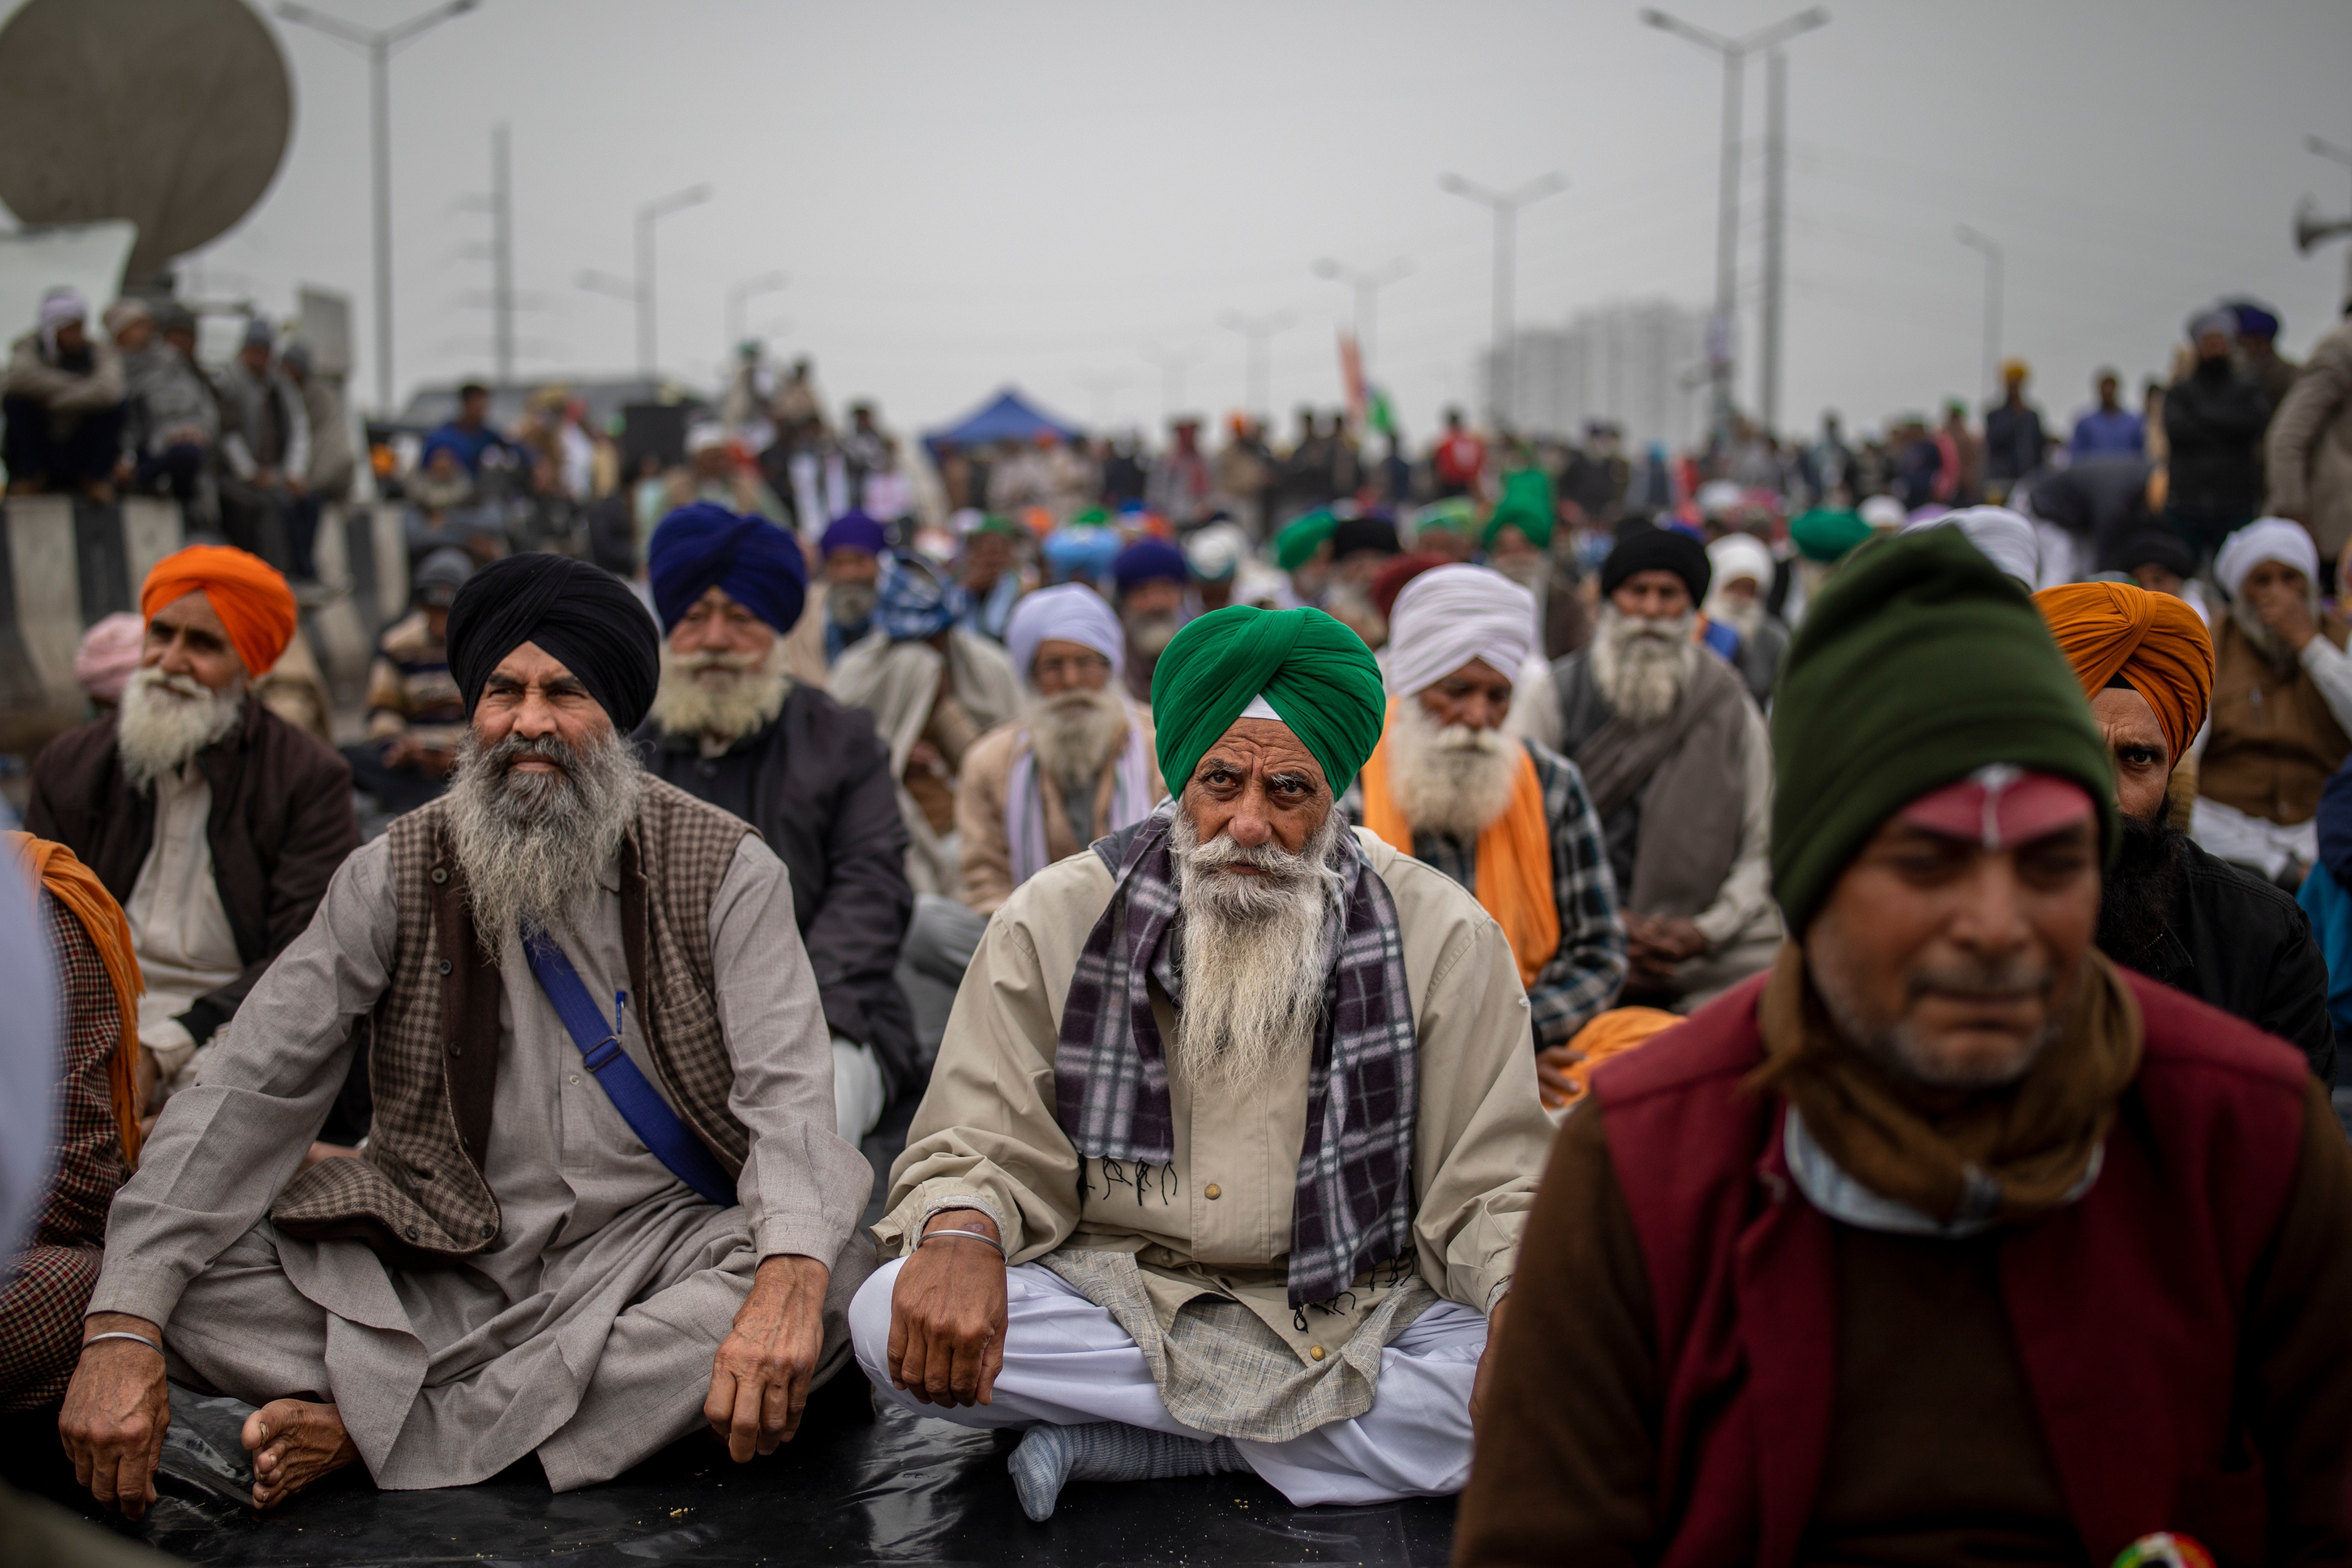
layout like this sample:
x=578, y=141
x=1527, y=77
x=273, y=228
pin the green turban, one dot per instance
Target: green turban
x=1919, y=664
x=1528, y=503
x=1455, y=514
x=1311, y=669
x=1300, y=539
x=1827, y=536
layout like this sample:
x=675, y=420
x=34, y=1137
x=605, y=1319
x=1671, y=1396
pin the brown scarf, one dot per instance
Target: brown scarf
x=2034, y=1138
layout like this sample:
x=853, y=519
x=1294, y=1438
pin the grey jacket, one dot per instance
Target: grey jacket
x=2309, y=447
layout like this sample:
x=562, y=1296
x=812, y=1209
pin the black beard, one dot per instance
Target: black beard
x=2139, y=891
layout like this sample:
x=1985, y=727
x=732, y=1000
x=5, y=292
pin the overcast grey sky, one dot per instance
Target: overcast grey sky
x=1038, y=192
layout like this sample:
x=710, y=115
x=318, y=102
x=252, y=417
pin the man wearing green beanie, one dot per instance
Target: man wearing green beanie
x=1946, y=1232
x=1222, y=1163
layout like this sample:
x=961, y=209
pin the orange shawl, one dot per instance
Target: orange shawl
x=77, y=886
x=1514, y=857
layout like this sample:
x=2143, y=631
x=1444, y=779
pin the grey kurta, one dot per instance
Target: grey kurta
x=586, y=1331
x=1150, y=1243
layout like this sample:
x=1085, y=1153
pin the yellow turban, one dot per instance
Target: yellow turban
x=2156, y=643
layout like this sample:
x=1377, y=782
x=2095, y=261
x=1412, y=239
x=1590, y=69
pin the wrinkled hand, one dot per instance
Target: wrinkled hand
x=116, y=1409
x=1486, y=1356
x=1552, y=1064
x=928, y=757
x=760, y=1378
x=946, y=1316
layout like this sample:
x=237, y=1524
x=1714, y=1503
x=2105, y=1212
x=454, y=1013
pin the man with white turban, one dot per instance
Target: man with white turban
x=1077, y=764
x=1743, y=569
x=2008, y=541
x=2281, y=703
x=1504, y=816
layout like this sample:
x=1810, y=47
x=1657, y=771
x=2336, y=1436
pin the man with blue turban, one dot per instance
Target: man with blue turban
x=1223, y=1164
x=1150, y=577
x=730, y=725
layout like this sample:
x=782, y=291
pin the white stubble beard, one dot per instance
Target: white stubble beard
x=720, y=694
x=1449, y=779
x=1076, y=733
x=167, y=719
x=1640, y=664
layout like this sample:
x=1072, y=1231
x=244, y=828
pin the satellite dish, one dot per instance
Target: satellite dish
x=172, y=114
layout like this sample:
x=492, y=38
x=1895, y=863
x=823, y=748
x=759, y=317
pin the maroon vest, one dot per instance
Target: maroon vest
x=2125, y=1306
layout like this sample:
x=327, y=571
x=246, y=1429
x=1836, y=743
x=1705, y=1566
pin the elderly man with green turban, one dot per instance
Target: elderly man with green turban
x=1224, y=1160
x=1518, y=540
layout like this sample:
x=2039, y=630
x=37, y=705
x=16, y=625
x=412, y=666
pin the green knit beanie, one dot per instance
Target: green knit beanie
x=1919, y=664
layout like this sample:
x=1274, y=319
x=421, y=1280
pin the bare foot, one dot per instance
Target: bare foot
x=293, y=1443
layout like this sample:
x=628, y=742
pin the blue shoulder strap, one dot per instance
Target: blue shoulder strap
x=640, y=1105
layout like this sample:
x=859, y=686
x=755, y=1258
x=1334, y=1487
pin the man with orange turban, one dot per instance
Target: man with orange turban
x=2171, y=910
x=213, y=823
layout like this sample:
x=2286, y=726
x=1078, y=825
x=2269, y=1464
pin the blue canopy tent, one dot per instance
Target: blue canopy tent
x=1008, y=416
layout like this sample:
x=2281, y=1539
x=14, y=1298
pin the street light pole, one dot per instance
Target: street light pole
x=736, y=294
x=1505, y=206
x=648, y=303
x=1368, y=286
x=1977, y=242
x=1258, y=330
x=378, y=46
x=1173, y=367
x=1734, y=53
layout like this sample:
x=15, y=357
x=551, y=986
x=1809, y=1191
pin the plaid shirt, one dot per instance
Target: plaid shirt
x=1583, y=975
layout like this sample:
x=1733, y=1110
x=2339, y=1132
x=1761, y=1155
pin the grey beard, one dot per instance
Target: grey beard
x=1640, y=665
x=532, y=844
x=850, y=604
x=1257, y=955
x=167, y=719
x=1743, y=617
x=1147, y=635
x=720, y=695
x=1075, y=734
x=1532, y=573
x=1452, y=780
x=2266, y=642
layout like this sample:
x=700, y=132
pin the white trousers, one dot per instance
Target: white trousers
x=1069, y=1362
x=858, y=1096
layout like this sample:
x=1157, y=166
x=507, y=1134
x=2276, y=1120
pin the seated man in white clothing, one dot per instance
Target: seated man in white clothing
x=1225, y=1158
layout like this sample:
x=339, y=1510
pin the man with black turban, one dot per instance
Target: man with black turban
x=730, y=726
x=1674, y=753
x=1222, y=1164
x=603, y=1200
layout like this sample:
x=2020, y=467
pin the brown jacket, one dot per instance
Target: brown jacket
x=282, y=822
x=2274, y=742
x=986, y=868
x=2308, y=451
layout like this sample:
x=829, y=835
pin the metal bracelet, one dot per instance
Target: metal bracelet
x=972, y=1235
x=142, y=1338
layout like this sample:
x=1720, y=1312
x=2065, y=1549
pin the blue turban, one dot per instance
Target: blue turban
x=1081, y=551
x=1147, y=561
x=705, y=546
x=912, y=601
x=854, y=531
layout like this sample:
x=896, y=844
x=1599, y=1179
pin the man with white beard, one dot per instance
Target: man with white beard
x=730, y=727
x=1150, y=578
x=1223, y=1164
x=213, y=822
x=573, y=1232
x=1679, y=766
x=1506, y=817
x=1742, y=569
x=1078, y=764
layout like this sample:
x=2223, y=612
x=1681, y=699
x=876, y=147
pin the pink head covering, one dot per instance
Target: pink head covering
x=108, y=654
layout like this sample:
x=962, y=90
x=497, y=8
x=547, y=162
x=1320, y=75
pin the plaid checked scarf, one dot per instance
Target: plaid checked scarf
x=1353, y=1208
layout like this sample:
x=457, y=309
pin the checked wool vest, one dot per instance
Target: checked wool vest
x=416, y=1194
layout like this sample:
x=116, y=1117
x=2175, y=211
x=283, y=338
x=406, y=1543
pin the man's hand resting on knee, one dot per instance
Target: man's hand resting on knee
x=115, y=1412
x=760, y=1378
x=947, y=1315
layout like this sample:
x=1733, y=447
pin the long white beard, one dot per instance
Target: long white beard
x=1076, y=733
x=532, y=843
x=1641, y=664
x=722, y=695
x=167, y=719
x=1449, y=779
x=1742, y=615
x=1532, y=573
x=1256, y=953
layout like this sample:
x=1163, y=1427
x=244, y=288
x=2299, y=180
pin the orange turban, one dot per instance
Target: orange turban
x=2156, y=643
x=246, y=591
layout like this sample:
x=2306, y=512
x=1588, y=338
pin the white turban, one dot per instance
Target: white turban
x=1882, y=512
x=1451, y=615
x=1070, y=613
x=2005, y=538
x=2266, y=539
x=1736, y=555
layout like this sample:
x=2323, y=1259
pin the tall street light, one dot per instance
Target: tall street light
x=737, y=293
x=1259, y=330
x=1505, y=206
x=378, y=46
x=1734, y=53
x=1368, y=286
x=639, y=291
x=1172, y=367
x=1991, y=252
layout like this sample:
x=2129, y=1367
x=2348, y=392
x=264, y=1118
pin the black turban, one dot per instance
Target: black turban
x=1370, y=532
x=1658, y=550
x=580, y=615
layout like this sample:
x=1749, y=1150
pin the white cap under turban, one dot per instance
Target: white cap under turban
x=1069, y=612
x=1451, y=615
x=2266, y=539
x=2007, y=539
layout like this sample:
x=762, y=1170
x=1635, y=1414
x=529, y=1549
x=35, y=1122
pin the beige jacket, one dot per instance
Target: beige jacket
x=2309, y=448
x=986, y=870
x=1218, y=1220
